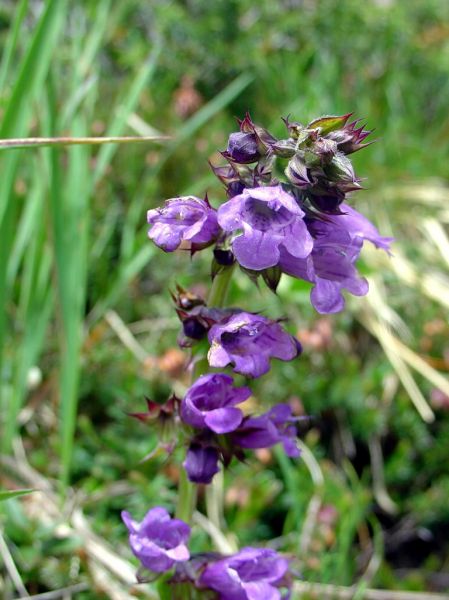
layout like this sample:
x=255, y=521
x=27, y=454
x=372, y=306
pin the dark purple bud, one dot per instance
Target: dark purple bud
x=195, y=316
x=201, y=463
x=234, y=188
x=158, y=541
x=193, y=328
x=327, y=200
x=224, y=258
x=243, y=148
x=249, y=144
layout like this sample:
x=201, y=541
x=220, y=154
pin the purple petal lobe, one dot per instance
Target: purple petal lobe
x=224, y=420
x=257, y=250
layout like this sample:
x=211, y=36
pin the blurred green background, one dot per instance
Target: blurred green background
x=87, y=328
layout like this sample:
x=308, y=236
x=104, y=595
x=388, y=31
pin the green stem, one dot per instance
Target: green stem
x=186, y=497
x=187, y=489
x=220, y=286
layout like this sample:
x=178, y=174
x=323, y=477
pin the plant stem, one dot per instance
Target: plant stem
x=187, y=490
x=220, y=286
x=186, y=497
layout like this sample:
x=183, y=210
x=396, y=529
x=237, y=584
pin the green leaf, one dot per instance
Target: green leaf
x=7, y=494
x=329, y=123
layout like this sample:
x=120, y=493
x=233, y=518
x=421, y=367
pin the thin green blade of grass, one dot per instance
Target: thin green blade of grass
x=70, y=209
x=81, y=141
x=11, y=42
x=36, y=305
x=31, y=74
x=95, y=37
x=125, y=108
x=7, y=494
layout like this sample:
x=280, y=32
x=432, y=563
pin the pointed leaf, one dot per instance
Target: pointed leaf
x=329, y=123
x=7, y=494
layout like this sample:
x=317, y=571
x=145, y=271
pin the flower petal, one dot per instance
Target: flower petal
x=224, y=420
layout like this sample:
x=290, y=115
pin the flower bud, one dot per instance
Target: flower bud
x=201, y=463
x=243, y=147
x=296, y=172
x=327, y=200
x=349, y=139
x=249, y=144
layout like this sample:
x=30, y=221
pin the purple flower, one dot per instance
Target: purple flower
x=270, y=219
x=158, y=541
x=330, y=268
x=248, y=341
x=186, y=218
x=338, y=241
x=210, y=402
x=201, y=462
x=251, y=574
x=274, y=426
x=359, y=226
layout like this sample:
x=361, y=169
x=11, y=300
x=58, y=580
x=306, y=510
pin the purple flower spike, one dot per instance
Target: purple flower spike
x=251, y=574
x=158, y=541
x=273, y=427
x=270, y=219
x=201, y=463
x=248, y=341
x=210, y=402
x=187, y=218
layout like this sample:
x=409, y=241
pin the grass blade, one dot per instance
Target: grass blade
x=80, y=141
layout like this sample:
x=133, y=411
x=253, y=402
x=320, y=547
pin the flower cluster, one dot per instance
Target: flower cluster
x=159, y=542
x=300, y=225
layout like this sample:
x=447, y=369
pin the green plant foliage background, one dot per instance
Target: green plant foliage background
x=78, y=275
